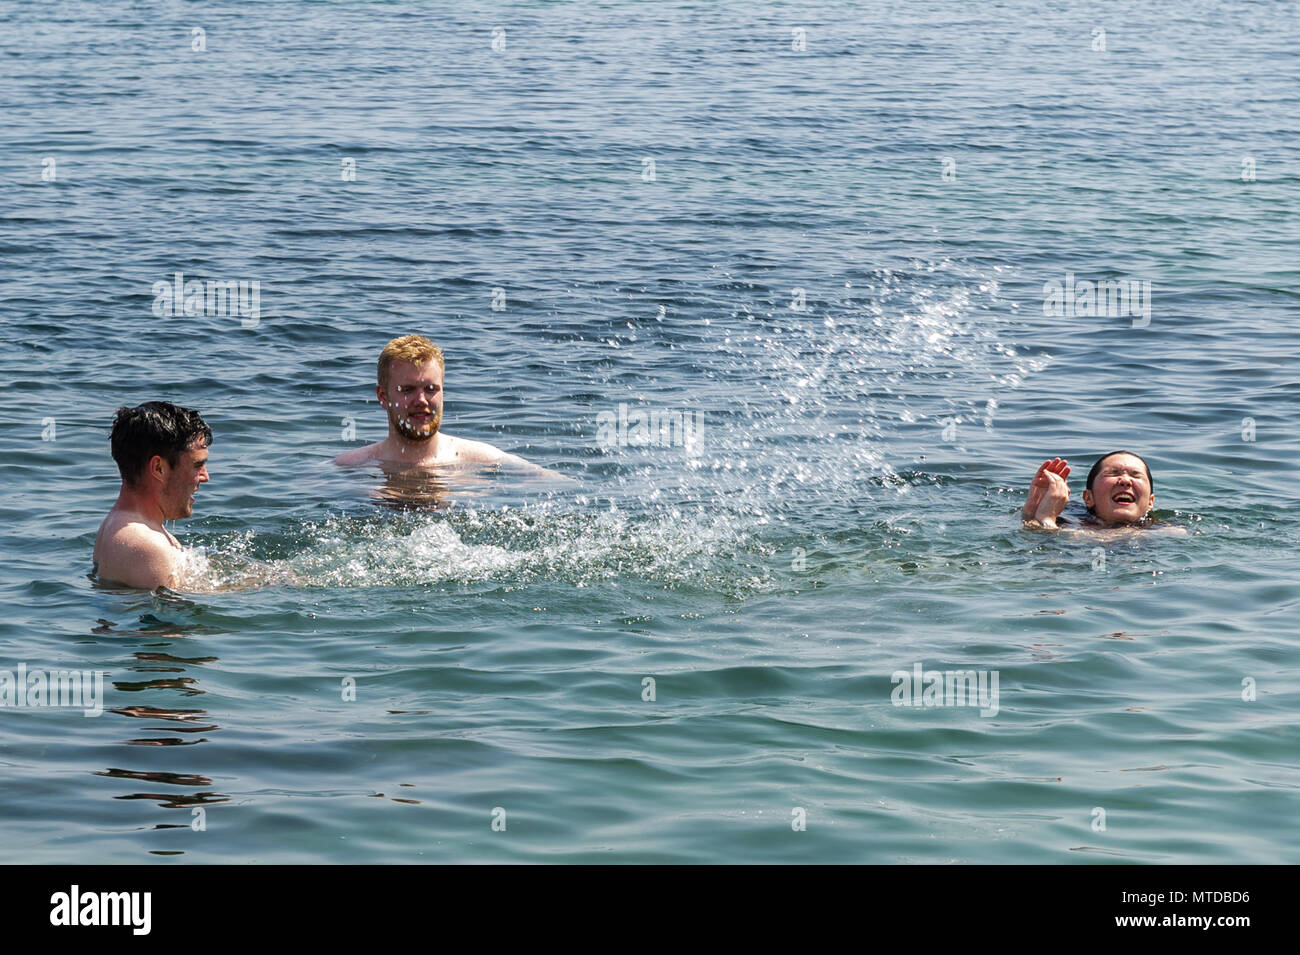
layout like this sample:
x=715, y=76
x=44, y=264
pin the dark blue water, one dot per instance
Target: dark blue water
x=837, y=262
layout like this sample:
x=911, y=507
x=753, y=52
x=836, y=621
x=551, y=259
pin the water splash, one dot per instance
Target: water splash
x=678, y=546
x=815, y=403
x=807, y=411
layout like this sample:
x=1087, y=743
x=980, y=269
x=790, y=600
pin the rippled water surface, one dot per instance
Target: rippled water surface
x=836, y=266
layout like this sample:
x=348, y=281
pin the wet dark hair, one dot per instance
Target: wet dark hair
x=1096, y=469
x=155, y=427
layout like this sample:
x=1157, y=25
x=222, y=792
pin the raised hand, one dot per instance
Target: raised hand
x=1048, y=492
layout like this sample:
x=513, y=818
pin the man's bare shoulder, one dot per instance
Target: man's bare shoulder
x=451, y=451
x=128, y=528
x=473, y=452
x=360, y=455
x=130, y=552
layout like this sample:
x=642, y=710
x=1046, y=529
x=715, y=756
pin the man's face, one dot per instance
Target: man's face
x=413, y=399
x=181, y=483
x=1121, y=492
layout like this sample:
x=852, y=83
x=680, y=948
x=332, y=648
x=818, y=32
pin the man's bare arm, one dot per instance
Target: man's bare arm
x=479, y=452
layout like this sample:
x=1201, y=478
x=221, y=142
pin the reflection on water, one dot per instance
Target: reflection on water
x=170, y=800
x=165, y=741
x=154, y=713
x=184, y=683
x=440, y=487
x=186, y=721
x=416, y=489
x=171, y=779
x=168, y=658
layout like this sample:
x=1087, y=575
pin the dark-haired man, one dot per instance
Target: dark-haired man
x=1119, y=492
x=161, y=451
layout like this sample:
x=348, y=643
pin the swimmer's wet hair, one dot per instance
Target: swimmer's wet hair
x=416, y=349
x=155, y=427
x=1096, y=468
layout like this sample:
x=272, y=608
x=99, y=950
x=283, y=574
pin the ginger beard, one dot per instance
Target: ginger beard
x=419, y=425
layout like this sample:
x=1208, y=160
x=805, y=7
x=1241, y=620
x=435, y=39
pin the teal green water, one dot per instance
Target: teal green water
x=848, y=511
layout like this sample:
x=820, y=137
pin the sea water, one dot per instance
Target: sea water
x=827, y=242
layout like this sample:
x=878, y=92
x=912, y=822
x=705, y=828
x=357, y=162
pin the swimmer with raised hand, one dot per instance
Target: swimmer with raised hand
x=162, y=453
x=410, y=390
x=1048, y=494
x=1119, y=492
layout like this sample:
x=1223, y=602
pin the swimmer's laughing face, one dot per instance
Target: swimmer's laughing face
x=1121, y=492
x=413, y=399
